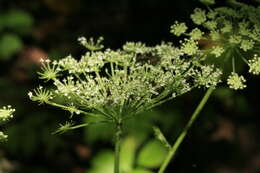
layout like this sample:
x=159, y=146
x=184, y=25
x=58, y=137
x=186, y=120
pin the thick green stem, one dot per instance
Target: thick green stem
x=117, y=147
x=181, y=137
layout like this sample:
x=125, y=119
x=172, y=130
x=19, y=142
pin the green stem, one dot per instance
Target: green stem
x=183, y=134
x=117, y=147
x=233, y=64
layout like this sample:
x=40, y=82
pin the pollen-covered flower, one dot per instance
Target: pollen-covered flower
x=235, y=81
x=178, y=28
x=254, y=65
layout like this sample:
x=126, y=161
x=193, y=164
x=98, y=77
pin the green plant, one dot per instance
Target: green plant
x=228, y=34
x=136, y=158
x=113, y=86
x=117, y=85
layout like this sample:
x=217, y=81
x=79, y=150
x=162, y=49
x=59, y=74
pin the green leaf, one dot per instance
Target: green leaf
x=19, y=21
x=128, y=150
x=9, y=45
x=141, y=170
x=152, y=154
x=98, y=132
x=103, y=162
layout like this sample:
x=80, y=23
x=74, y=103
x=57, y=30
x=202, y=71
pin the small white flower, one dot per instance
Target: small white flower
x=236, y=82
x=178, y=28
x=217, y=51
x=30, y=94
x=246, y=45
x=6, y=113
x=199, y=16
x=254, y=65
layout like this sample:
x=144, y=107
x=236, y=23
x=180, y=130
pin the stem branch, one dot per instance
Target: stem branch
x=183, y=134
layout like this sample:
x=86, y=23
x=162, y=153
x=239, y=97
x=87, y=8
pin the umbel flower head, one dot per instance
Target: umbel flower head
x=236, y=82
x=118, y=84
x=229, y=34
x=254, y=65
x=6, y=113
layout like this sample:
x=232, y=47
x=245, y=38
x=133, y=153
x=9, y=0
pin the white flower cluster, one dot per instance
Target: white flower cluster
x=236, y=82
x=91, y=44
x=6, y=113
x=122, y=83
x=199, y=16
x=208, y=76
x=178, y=28
x=229, y=33
x=189, y=47
x=196, y=34
x=254, y=65
x=217, y=51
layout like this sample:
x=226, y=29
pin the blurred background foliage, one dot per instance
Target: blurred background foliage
x=225, y=139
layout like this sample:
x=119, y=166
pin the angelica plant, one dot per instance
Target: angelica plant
x=223, y=36
x=116, y=85
x=6, y=113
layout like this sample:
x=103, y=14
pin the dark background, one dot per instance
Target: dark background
x=225, y=139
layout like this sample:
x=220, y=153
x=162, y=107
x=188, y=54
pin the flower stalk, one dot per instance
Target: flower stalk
x=174, y=148
x=118, y=135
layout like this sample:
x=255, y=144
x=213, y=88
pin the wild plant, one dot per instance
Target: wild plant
x=116, y=85
x=226, y=36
